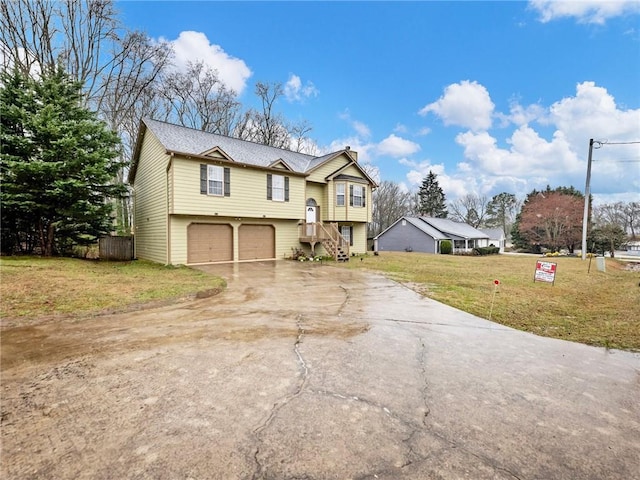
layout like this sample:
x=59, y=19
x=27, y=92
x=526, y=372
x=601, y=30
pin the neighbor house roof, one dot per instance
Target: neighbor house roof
x=493, y=233
x=426, y=228
x=189, y=141
x=457, y=229
x=421, y=225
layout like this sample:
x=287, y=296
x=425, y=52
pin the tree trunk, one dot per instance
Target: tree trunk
x=46, y=239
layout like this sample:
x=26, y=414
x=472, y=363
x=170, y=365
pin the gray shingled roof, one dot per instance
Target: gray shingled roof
x=426, y=228
x=493, y=233
x=457, y=229
x=188, y=140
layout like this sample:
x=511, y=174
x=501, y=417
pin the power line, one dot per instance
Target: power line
x=606, y=142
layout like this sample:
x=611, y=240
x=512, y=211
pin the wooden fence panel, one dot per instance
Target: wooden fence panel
x=116, y=248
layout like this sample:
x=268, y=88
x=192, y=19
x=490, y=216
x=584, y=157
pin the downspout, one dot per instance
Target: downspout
x=168, y=219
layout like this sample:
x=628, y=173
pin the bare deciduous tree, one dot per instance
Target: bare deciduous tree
x=197, y=98
x=116, y=67
x=265, y=126
x=299, y=139
x=470, y=209
x=84, y=36
x=390, y=203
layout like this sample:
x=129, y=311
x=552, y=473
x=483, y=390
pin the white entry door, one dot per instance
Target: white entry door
x=311, y=220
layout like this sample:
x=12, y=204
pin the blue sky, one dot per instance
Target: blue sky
x=491, y=96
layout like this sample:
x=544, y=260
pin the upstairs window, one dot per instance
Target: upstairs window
x=340, y=194
x=277, y=188
x=215, y=180
x=357, y=195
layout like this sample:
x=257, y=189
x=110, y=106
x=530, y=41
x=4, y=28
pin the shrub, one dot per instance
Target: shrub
x=486, y=250
x=445, y=247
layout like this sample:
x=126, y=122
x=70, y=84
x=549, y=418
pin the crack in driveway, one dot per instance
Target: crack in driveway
x=277, y=406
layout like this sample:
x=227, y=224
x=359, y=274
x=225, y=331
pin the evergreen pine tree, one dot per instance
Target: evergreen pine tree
x=432, y=199
x=56, y=165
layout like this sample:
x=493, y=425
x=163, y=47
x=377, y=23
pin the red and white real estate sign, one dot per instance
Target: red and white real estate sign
x=545, y=272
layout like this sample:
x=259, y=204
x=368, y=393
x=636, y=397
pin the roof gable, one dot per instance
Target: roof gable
x=281, y=164
x=420, y=225
x=216, y=152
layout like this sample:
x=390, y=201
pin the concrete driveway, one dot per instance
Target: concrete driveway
x=307, y=371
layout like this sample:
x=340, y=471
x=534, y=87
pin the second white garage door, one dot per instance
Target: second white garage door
x=256, y=242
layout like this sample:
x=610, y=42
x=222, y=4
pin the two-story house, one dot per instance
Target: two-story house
x=205, y=198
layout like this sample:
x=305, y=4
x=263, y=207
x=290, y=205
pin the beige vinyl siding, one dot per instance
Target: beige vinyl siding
x=248, y=193
x=323, y=171
x=359, y=238
x=353, y=171
x=286, y=234
x=318, y=193
x=358, y=214
x=347, y=213
x=150, y=201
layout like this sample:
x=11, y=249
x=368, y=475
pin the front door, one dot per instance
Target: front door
x=311, y=220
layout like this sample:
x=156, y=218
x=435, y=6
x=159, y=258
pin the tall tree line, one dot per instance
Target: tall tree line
x=125, y=75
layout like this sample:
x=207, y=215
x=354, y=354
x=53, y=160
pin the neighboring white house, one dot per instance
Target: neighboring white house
x=425, y=234
x=496, y=237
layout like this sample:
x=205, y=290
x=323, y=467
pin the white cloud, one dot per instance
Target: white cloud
x=364, y=149
x=584, y=11
x=295, y=91
x=400, y=128
x=395, y=146
x=453, y=186
x=528, y=155
x=361, y=129
x=530, y=161
x=522, y=115
x=593, y=113
x=466, y=104
x=195, y=47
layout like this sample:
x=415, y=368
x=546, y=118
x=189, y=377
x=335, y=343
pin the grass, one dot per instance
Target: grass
x=32, y=287
x=596, y=308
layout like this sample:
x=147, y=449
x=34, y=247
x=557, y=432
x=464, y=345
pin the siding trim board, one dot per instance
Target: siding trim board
x=220, y=161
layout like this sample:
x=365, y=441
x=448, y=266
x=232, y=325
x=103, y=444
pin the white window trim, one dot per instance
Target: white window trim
x=277, y=188
x=347, y=236
x=215, y=174
x=358, y=193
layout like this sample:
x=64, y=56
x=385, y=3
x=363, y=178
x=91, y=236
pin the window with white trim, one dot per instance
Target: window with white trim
x=277, y=186
x=215, y=180
x=358, y=194
x=347, y=233
x=340, y=194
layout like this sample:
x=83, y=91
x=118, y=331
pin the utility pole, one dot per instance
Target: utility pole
x=585, y=216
